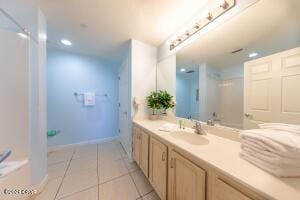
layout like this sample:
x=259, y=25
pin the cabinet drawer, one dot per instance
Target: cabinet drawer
x=223, y=191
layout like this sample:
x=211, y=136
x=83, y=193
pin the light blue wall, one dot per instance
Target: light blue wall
x=68, y=73
x=186, y=89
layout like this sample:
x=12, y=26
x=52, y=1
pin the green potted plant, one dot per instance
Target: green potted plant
x=154, y=103
x=166, y=100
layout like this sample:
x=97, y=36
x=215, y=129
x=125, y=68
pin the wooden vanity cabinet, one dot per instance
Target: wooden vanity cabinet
x=158, y=167
x=141, y=149
x=175, y=176
x=186, y=181
x=224, y=191
x=135, y=144
x=144, y=156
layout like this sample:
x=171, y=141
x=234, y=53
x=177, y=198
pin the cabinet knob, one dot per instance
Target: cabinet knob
x=248, y=115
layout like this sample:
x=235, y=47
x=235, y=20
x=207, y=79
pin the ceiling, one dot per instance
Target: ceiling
x=111, y=23
x=266, y=27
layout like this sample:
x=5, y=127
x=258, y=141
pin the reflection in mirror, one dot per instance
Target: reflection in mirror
x=230, y=75
x=209, y=93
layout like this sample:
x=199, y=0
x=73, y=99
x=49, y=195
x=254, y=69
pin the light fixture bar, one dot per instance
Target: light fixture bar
x=222, y=7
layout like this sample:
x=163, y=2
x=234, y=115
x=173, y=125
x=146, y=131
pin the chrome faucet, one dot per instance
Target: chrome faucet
x=213, y=120
x=198, y=128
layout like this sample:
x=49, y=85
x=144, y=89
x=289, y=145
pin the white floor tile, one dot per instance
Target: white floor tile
x=57, y=170
x=76, y=182
x=141, y=182
x=89, y=194
x=151, y=196
x=110, y=170
x=121, y=188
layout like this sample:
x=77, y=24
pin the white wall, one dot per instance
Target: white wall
x=166, y=75
x=232, y=96
x=68, y=73
x=141, y=62
x=39, y=107
x=143, y=73
x=213, y=92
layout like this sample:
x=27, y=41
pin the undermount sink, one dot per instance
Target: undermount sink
x=189, y=137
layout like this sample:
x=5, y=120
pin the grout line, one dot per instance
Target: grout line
x=128, y=172
x=98, y=190
x=59, y=187
x=140, y=195
x=98, y=154
x=148, y=192
x=77, y=192
x=113, y=179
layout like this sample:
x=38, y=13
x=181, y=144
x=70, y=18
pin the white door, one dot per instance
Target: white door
x=124, y=112
x=272, y=91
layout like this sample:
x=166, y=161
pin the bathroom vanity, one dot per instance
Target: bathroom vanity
x=181, y=165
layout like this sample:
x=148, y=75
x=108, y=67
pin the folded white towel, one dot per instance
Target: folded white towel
x=89, y=99
x=270, y=157
x=281, y=127
x=278, y=171
x=267, y=148
x=282, y=141
x=167, y=127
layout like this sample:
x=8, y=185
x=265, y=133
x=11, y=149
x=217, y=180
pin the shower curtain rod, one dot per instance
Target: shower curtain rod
x=26, y=31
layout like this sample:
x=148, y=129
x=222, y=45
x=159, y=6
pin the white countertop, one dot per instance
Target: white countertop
x=223, y=154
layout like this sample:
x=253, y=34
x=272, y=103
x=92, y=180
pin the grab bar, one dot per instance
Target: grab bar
x=4, y=155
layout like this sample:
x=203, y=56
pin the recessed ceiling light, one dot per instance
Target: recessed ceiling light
x=23, y=35
x=66, y=42
x=252, y=55
x=182, y=70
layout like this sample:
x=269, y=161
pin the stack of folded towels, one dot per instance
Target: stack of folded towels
x=274, y=148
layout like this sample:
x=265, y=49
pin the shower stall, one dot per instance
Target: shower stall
x=23, y=153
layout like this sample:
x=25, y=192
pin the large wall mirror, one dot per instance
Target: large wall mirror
x=210, y=72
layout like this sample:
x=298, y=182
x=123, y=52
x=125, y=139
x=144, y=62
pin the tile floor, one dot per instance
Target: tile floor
x=95, y=172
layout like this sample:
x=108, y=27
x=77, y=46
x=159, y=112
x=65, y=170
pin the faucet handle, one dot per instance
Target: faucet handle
x=210, y=122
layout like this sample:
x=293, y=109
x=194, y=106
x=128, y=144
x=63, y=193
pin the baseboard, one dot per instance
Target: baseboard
x=38, y=188
x=97, y=141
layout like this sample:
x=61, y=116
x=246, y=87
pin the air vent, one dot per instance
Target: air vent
x=190, y=71
x=236, y=51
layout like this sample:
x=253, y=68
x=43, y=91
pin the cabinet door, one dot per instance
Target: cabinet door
x=186, y=180
x=223, y=191
x=144, y=156
x=158, y=167
x=136, y=145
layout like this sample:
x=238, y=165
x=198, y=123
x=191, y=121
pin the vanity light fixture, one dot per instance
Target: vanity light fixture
x=209, y=16
x=222, y=7
x=223, y=4
x=66, y=42
x=252, y=55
